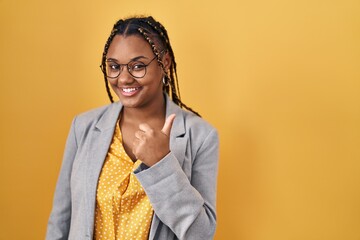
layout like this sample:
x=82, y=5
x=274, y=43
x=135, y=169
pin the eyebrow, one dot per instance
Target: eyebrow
x=133, y=59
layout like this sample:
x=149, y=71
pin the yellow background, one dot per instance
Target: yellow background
x=279, y=79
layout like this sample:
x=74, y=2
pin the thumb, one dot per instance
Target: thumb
x=168, y=124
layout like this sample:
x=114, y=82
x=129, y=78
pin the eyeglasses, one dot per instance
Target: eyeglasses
x=136, y=68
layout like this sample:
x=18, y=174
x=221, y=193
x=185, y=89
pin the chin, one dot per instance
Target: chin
x=131, y=103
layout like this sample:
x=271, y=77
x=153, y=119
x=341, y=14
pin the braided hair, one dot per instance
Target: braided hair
x=156, y=35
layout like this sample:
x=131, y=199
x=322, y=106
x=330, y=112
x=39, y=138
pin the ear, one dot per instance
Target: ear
x=166, y=59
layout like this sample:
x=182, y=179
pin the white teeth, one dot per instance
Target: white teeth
x=128, y=90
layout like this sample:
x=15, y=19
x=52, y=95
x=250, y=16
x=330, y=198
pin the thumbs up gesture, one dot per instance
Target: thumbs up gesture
x=150, y=145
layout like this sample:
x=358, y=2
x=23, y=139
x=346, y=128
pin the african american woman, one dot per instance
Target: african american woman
x=144, y=167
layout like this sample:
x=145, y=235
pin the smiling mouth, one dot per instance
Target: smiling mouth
x=129, y=90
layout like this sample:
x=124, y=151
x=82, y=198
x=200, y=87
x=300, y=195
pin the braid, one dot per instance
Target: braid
x=103, y=61
x=140, y=26
x=153, y=47
x=159, y=31
x=173, y=78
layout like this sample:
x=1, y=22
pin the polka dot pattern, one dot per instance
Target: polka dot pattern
x=123, y=211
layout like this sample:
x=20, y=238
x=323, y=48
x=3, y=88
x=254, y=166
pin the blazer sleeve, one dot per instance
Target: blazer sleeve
x=59, y=221
x=186, y=207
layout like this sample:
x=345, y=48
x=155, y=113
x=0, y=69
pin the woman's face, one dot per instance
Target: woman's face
x=136, y=92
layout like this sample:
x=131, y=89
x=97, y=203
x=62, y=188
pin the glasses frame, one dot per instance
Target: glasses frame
x=103, y=68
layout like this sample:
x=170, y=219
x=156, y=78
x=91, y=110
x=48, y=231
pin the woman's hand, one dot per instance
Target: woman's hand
x=150, y=145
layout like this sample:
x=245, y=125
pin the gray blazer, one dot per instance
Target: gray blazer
x=181, y=187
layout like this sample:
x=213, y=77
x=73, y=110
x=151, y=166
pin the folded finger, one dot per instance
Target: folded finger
x=139, y=135
x=145, y=127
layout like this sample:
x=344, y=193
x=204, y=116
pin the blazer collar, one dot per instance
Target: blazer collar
x=110, y=116
x=178, y=127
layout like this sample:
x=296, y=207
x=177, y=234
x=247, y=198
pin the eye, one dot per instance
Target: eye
x=113, y=67
x=137, y=66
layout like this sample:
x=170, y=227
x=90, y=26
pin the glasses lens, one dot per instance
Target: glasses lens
x=137, y=69
x=112, y=70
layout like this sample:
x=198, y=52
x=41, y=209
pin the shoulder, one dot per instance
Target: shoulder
x=197, y=124
x=199, y=131
x=202, y=137
x=103, y=114
x=188, y=123
x=94, y=113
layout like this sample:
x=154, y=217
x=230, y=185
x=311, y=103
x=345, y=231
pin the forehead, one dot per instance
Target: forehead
x=124, y=48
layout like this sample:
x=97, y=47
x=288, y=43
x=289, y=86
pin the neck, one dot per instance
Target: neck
x=146, y=113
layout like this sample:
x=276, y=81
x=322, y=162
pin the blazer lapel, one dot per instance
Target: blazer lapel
x=177, y=145
x=177, y=140
x=98, y=147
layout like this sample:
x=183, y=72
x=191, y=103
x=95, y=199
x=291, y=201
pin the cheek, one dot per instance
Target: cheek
x=112, y=84
x=156, y=82
x=114, y=87
x=155, y=71
x=151, y=79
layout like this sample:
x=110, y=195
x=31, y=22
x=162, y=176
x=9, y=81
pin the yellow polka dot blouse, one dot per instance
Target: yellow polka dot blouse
x=123, y=211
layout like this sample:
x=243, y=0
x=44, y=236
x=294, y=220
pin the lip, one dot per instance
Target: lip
x=130, y=91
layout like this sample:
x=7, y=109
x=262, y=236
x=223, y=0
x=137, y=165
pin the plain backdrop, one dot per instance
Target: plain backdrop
x=279, y=79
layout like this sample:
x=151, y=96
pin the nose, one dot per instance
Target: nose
x=125, y=77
